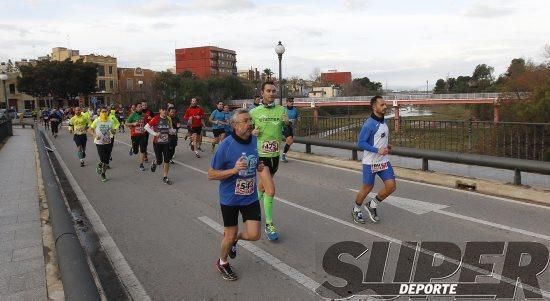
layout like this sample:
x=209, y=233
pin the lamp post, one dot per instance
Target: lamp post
x=140, y=83
x=280, y=49
x=4, y=78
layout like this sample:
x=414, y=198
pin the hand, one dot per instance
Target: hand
x=383, y=151
x=240, y=165
x=156, y=134
x=260, y=167
x=256, y=131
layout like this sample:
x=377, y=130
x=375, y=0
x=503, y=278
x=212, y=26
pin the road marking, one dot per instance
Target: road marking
x=478, y=194
x=282, y=267
x=391, y=239
x=121, y=266
x=420, y=207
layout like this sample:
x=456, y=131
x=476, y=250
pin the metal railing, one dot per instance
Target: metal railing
x=529, y=141
x=401, y=96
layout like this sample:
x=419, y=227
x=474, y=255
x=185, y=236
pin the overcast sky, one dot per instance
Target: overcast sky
x=401, y=43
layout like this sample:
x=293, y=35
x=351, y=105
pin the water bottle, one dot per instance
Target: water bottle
x=244, y=172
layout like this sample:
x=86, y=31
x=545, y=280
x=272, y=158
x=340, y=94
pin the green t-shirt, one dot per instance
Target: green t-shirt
x=270, y=122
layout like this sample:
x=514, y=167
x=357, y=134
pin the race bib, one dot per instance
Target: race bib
x=79, y=130
x=172, y=132
x=46, y=117
x=139, y=129
x=245, y=186
x=105, y=139
x=379, y=167
x=162, y=138
x=270, y=146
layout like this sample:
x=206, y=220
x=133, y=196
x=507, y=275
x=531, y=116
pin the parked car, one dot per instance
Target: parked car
x=27, y=113
x=12, y=113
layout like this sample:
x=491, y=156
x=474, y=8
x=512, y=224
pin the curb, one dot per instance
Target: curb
x=521, y=193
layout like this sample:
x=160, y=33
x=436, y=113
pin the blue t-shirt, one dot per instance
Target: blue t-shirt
x=237, y=190
x=292, y=113
x=228, y=120
x=219, y=116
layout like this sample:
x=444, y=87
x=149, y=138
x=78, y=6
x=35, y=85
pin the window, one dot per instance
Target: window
x=100, y=70
x=101, y=86
x=110, y=69
x=129, y=84
x=12, y=88
x=111, y=84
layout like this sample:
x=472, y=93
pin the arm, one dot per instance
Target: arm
x=149, y=129
x=214, y=174
x=211, y=119
x=362, y=142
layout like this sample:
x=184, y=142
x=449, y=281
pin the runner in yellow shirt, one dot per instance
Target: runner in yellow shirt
x=78, y=125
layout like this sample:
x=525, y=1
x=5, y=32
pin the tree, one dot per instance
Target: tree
x=268, y=73
x=440, y=86
x=315, y=76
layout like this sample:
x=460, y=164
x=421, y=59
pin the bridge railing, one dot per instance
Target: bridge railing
x=401, y=96
x=529, y=141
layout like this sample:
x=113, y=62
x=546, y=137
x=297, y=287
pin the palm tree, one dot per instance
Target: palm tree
x=268, y=73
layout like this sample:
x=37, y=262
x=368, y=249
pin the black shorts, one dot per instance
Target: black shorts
x=230, y=214
x=139, y=143
x=271, y=163
x=218, y=132
x=288, y=131
x=162, y=152
x=80, y=140
x=197, y=130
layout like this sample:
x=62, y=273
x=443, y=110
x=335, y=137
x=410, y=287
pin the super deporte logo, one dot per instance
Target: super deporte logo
x=497, y=270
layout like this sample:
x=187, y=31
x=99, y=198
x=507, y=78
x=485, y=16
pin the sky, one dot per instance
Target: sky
x=400, y=43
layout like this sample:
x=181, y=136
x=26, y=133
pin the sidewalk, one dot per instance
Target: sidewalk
x=22, y=267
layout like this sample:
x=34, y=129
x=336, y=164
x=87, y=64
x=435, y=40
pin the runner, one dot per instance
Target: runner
x=227, y=127
x=147, y=116
x=137, y=133
x=373, y=140
x=78, y=125
x=257, y=102
x=120, y=113
x=173, y=132
x=160, y=127
x=55, y=119
x=235, y=165
x=288, y=132
x=46, y=118
x=116, y=125
x=102, y=129
x=217, y=119
x=195, y=119
x=269, y=119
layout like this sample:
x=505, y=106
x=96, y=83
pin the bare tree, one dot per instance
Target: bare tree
x=315, y=76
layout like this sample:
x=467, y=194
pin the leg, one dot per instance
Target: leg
x=229, y=238
x=362, y=194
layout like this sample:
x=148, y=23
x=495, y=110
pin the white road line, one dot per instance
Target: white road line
x=483, y=222
x=437, y=186
x=282, y=267
x=121, y=266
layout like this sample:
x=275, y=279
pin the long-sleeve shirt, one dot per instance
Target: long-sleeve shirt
x=373, y=136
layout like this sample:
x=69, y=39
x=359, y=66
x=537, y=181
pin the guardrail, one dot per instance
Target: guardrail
x=529, y=141
x=517, y=165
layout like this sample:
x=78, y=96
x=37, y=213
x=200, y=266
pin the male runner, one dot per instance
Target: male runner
x=102, y=129
x=195, y=115
x=46, y=117
x=217, y=119
x=116, y=126
x=269, y=119
x=55, y=119
x=173, y=135
x=121, y=114
x=257, y=102
x=288, y=132
x=227, y=128
x=147, y=116
x=160, y=127
x=78, y=125
x=137, y=133
x=373, y=140
x=235, y=165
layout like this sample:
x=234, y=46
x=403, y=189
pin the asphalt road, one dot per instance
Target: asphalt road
x=168, y=235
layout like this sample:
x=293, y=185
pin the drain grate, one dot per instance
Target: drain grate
x=466, y=186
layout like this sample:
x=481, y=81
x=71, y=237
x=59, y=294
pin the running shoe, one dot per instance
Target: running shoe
x=153, y=167
x=226, y=271
x=98, y=169
x=357, y=216
x=131, y=151
x=197, y=155
x=372, y=213
x=271, y=232
x=103, y=178
x=166, y=181
x=141, y=167
x=283, y=158
x=82, y=163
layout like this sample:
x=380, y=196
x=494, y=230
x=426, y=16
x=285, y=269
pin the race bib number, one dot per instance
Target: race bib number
x=172, y=132
x=162, y=138
x=105, y=139
x=379, y=167
x=140, y=129
x=271, y=146
x=245, y=186
x=79, y=130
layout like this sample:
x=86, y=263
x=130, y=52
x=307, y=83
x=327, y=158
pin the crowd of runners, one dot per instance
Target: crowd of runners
x=246, y=148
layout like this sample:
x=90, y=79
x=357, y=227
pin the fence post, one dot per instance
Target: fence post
x=354, y=155
x=470, y=134
x=308, y=148
x=517, y=177
x=424, y=164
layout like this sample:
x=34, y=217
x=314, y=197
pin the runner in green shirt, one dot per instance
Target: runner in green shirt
x=269, y=120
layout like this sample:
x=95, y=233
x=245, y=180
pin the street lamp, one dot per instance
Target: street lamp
x=280, y=49
x=140, y=83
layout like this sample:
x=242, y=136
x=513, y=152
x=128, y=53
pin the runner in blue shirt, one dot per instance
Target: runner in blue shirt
x=217, y=119
x=235, y=164
x=228, y=115
x=288, y=130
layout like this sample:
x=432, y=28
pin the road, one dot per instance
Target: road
x=168, y=235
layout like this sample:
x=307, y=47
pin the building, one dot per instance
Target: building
x=107, y=77
x=332, y=91
x=205, y=62
x=333, y=77
x=135, y=84
x=16, y=100
x=251, y=74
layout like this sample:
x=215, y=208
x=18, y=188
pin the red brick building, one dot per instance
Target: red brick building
x=336, y=78
x=206, y=61
x=130, y=90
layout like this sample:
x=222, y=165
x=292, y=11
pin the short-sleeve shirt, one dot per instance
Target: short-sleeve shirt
x=79, y=123
x=102, y=131
x=162, y=126
x=217, y=115
x=237, y=190
x=139, y=129
x=270, y=121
